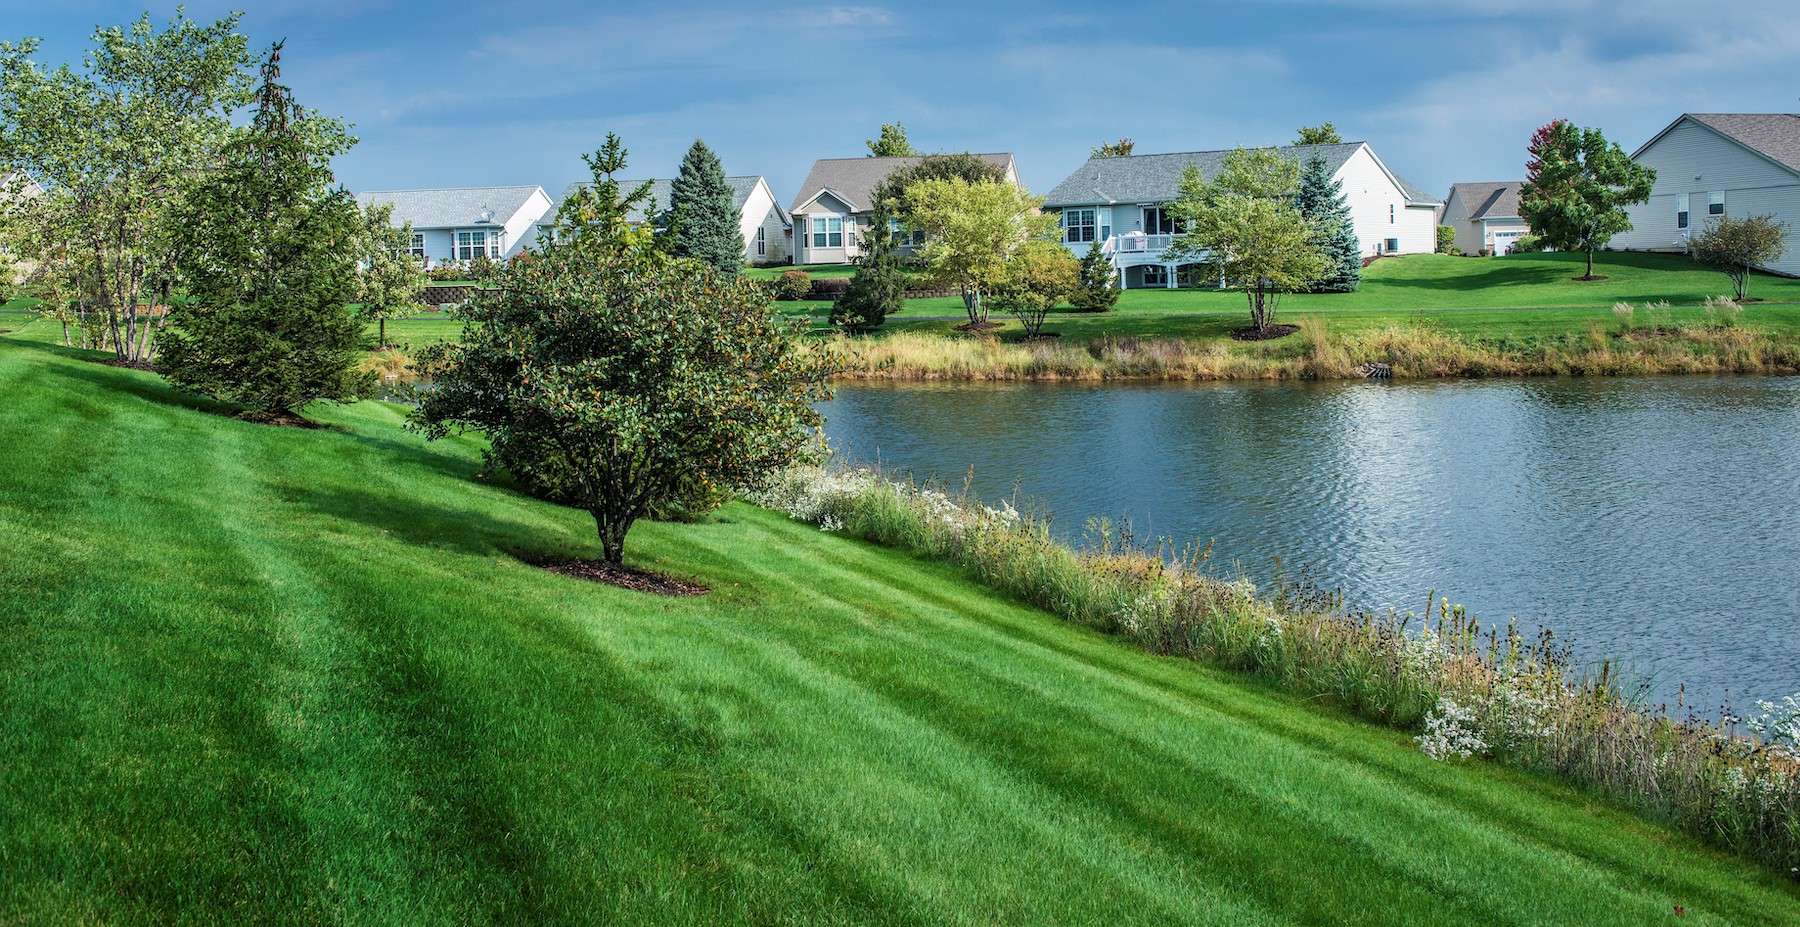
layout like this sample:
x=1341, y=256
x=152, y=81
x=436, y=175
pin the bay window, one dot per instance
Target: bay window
x=828, y=232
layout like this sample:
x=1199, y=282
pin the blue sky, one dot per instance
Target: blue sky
x=451, y=94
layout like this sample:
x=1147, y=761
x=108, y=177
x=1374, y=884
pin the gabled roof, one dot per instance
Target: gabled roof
x=1489, y=199
x=660, y=195
x=1775, y=136
x=854, y=179
x=1154, y=178
x=457, y=207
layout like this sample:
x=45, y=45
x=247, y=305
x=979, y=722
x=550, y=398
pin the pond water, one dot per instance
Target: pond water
x=1654, y=521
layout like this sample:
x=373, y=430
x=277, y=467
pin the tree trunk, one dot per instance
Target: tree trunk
x=612, y=531
x=1590, y=263
x=381, y=338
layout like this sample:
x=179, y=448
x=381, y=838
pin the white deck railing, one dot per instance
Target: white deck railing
x=1130, y=243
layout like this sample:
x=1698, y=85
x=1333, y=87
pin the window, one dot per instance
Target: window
x=1157, y=221
x=762, y=242
x=417, y=248
x=828, y=232
x=1078, y=225
x=1390, y=213
x=1715, y=203
x=1156, y=275
x=480, y=242
x=1393, y=245
x=1681, y=211
x=903, y=236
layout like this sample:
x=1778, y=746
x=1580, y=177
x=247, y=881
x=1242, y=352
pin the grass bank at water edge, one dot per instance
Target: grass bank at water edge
x=264, y=675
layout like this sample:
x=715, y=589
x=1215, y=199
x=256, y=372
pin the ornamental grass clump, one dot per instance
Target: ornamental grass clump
x=1466, y=691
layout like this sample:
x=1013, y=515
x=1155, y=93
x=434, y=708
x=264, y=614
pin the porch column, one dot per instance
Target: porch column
x=1169, y=277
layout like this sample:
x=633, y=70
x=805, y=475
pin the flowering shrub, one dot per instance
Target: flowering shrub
x=1498, y=695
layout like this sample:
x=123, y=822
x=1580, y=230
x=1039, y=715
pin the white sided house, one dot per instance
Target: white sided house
x=463, y=223
x=1121, y=205
x=836, y=200
x=768, y=232
x=1719, y=164
x=1485, y=216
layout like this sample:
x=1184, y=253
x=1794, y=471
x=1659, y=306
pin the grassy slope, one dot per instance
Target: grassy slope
x=254, y=674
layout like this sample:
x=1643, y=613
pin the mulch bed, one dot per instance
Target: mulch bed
x=979, y=326
x=623, y=576
x=128, y=365
x=1263, y=334
x=1584, y=278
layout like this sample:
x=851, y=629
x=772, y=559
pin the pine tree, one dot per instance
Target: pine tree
x=703, y=216
x=1321, y=201
x=267, y=253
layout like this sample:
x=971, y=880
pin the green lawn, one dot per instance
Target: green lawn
x=817, y=270
x=1520, y=296
x=303, y=676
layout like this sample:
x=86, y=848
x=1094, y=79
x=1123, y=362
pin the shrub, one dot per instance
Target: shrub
x=1528, y=244
x=879, y=286
x=1737, y=246
x=1446, y=239
x=793, y=284
x=447, y=270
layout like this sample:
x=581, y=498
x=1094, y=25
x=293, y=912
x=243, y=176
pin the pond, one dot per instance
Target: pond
x=1653, y=521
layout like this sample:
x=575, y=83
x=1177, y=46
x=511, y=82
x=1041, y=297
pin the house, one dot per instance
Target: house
x=1122, y=205
x=462, y=223
x=767, y=230
x=835, y=203
x=1719, y=164
x=1485, y=216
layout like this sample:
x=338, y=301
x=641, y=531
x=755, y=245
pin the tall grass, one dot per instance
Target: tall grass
x=1463, y=689
x=1642, y=344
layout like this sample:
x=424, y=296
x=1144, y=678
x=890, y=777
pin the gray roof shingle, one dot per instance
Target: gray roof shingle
x=660, y=187
x=1489, y=198
x=853, y=179
x=1156, y=178
x=1775, y=136
x=457, y=207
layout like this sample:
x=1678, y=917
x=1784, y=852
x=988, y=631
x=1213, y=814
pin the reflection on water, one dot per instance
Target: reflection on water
x=1649, y=519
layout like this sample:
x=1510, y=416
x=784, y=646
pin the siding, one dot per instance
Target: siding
x=1456, y=215
x=1370, y=192
x=1697, y=161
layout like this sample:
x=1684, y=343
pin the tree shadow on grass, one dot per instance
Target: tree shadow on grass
x=478, y=531
x=92, y=368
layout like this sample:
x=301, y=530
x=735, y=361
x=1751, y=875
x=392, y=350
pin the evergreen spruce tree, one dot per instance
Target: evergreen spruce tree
x=703, y=217
x=1321, y=202
x=1095, y=290
x=267, y=254
x=878, y=289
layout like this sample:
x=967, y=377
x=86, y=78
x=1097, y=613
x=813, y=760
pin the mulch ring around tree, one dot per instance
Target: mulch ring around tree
x=624, y=577
x=145, y=366
x=1263, y=334
x=1588, y=278
x=978, y=326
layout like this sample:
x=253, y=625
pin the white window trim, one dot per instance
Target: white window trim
x=762, y=241
x=824, y=229
x=1681, y=211
x=416, y=247
x=1715, y=203
x=1077, y=221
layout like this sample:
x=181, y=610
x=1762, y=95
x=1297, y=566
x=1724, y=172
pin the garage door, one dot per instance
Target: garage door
x=1503, y=241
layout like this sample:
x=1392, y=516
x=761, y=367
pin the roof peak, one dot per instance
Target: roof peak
x=1204, y=151
x=504, y=186
x=934, y=154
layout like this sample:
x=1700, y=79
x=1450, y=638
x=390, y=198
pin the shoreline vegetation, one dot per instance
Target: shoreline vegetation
x=1317, y=352
x=1460, y=688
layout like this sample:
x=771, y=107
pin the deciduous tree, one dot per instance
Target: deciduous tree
x=1244, y=224
x=891, y=143
x=1119, y=149
x=1577, y=185
x=703, y=216
x=1738, y=246
x=267, y=251
x=1041, y=275
x=611, y=376
x=972, y=231
x=116, y=145
x=1322, y=134
x=391, y=282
